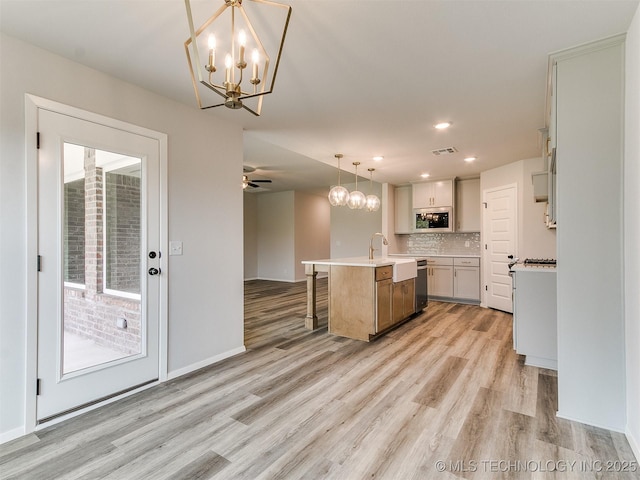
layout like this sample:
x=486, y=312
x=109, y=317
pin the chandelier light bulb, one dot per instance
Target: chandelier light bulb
x=210, y=67
x=255, y=58
x=242, y=40
x=227, y=63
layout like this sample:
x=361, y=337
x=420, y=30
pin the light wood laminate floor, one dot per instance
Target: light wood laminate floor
x=444, y=396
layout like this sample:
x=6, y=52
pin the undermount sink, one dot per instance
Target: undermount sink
x=404, y=269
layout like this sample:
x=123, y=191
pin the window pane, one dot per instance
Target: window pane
x=102, y=239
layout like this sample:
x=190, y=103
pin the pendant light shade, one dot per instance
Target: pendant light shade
x=338, y=195
x=357, y=199
x=372, y=202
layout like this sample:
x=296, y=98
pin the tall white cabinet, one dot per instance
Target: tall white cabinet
x=589, y=101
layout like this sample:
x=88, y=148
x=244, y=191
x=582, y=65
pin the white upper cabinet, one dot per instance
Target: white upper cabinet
x=403, y=211
x=468, y=211
x=433, y=194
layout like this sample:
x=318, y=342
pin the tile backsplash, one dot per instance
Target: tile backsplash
x=444, y=243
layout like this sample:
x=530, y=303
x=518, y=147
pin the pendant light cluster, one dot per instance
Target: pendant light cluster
x=356, y=200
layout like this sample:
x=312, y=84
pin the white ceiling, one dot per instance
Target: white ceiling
x=359, y=77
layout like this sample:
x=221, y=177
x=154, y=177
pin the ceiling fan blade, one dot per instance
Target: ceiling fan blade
x=251, y=184
x=263, y=181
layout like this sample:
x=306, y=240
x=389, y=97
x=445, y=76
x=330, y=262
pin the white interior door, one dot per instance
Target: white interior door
x=500, y=241
x=99, y=262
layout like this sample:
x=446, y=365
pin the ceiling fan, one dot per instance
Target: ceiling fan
x=246, y=182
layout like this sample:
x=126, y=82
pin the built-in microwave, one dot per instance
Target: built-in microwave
x=433, y=219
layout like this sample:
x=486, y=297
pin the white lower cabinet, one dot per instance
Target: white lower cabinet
x=535, y=316
x=466, y=278
x=440, y=281
x=453, y=278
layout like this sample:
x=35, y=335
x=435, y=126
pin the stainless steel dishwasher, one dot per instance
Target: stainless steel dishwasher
x=421, y=285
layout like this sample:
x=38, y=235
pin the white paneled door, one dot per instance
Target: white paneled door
x=98, y=262
x=500, y=244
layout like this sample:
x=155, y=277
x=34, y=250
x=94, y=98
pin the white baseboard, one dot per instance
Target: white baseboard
x=276, y=280
x=541, y=362
x=12, y=434
x=205, y=363
x=298, y=280
x=606, y=427
x=633, y=442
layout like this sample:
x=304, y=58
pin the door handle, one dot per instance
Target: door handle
x=154, y=271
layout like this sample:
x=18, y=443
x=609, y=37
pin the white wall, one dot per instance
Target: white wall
x=205, y=310
x=351, y=230
x=250, y=235
x=535, y=240
x=591, y=343
x=312, y=229
x=632, y=231
x=276, y=236
x=288, y=227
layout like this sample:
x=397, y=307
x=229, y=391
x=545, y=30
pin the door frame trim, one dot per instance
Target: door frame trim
x=485, y=258
x=32, y=104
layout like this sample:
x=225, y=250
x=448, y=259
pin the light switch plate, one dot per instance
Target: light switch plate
x=175, y=248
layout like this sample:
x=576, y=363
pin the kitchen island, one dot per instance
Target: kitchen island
x=367, y=297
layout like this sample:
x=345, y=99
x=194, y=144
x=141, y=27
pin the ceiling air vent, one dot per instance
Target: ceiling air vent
x=444, y=151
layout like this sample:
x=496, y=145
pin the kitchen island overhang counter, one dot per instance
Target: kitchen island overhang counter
x=367, y=297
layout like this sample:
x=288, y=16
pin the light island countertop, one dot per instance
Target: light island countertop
x=353, y=262
x=430, y=255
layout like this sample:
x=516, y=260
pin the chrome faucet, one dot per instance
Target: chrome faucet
x=371, y=249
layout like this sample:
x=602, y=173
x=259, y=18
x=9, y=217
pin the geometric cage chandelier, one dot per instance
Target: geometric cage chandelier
x=230, y=54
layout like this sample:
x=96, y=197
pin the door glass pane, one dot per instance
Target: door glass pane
x=102, y=238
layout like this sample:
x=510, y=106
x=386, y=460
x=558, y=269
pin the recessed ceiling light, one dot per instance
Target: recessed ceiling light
x=470, y=159
x=378, y=158
x=425, y=175
x=442, y=125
